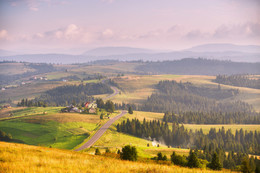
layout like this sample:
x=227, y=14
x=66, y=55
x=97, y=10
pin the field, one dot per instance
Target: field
x=136, y=88
x=14, y=68
x=206, y=127
x=48, y=127
x=25, y=158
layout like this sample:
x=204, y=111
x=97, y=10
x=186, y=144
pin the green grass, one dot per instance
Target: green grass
x=65, y=136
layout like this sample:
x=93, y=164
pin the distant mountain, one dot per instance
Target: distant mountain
x=209, y=51
x=225, y=48
x=7, y=53
x=199, y=66
x=108, y=51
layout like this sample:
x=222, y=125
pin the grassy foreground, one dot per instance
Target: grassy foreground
x=25, y=158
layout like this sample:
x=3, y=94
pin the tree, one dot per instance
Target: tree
x=215, y=163
x=129, y=153
x=108, y=151
x=178, y=160
x=102, y=116
x=97, y=152
x=193, y=161
x=110, y=107
x=245, y=168
x=100, y=103
x=161, y=157
x=130, y=110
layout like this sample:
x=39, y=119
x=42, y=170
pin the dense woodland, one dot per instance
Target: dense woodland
x=238, y=80
x=69, y=94
x=199, y=66
x=212, y=118
x=182, y=97
x=242, y=141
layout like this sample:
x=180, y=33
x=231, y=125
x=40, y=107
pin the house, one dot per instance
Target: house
x=86, y=104
x=71, y=108
x=75, y=109
x=7, y=106
x=92, y=105
x=92, y=111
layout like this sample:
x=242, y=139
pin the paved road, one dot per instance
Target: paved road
x=100, y=132
x=116, y=91
x=103, y=129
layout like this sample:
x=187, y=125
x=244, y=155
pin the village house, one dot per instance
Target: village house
x=7, y=106
x=92, y=111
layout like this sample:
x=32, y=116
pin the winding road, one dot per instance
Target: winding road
x=104, y=128
x=100, y=132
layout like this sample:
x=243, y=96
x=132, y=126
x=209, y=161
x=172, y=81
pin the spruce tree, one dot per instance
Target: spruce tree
x=215, y=163
x=193, y=161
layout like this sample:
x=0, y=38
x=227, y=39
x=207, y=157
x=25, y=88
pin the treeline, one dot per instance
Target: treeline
x=217, y=160
x=31, y=103
x=182, y=97
x=213, y=118
x=199, y=66
x=69, y=94
x=238, y=80
x=242, y=141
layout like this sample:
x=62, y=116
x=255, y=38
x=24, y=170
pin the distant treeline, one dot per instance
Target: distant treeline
x=191, y=66
x=238, y=80
x=69, y=94
x=39, y=69
x=183, y=97
x=242, y=141
x=213, y=117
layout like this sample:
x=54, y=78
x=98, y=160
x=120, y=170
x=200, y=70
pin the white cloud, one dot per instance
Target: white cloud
x=3, y=34
x=108, y=33
x=238, y=31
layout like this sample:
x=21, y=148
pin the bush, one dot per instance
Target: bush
x=178, y=160
x=97, y=152
x=129, y=153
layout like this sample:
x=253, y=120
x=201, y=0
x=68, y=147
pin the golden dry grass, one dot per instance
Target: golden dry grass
x=206, y=127
x=28, y=159
x=136, y=88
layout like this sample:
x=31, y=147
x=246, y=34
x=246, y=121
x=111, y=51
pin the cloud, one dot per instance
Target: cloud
x=197, y=34
x=108, y=33
x=240, y=30
x=3, y=34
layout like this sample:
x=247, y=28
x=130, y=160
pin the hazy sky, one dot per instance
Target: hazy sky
x=78, y=25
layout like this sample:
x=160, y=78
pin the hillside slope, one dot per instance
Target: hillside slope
x=25, y=158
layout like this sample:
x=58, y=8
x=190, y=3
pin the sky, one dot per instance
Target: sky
x=74, y=26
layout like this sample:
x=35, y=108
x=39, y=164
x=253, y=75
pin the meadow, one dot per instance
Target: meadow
x=136, y=88
x=25, y=158
x=48, y=127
